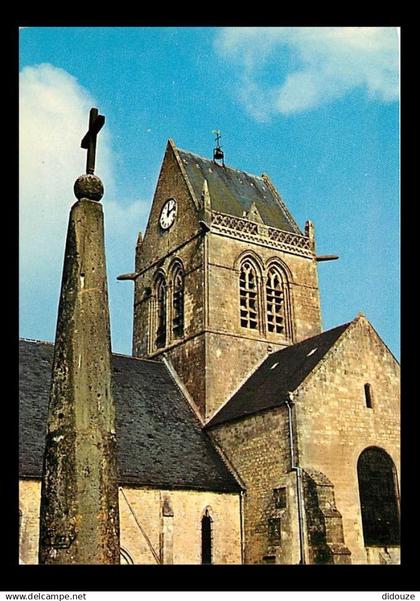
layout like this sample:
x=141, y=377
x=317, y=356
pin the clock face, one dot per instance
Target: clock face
x=168, y=214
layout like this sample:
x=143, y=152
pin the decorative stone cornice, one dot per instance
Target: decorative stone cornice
x=237, y=227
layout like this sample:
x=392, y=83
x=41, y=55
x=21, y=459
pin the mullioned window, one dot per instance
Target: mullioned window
x=161, y=311
x=178, y=303
x=248, y=294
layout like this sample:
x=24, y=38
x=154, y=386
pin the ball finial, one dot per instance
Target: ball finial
x=88, y=186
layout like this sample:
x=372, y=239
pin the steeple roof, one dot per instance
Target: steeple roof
x=234, y=192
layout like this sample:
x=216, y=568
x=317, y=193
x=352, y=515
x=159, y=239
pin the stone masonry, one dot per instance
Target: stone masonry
x=213, y=338
x=291, y=411
x=142, y=521
x=79, y=499
x=335, y=425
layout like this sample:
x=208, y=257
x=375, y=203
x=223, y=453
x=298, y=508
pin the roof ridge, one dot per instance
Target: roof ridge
x=194, y=154
x=23, y=339
x=143, y=421
x=183, y=390
x=176, y=150
x=138, y=358
x=225, y=460
x=47, y=342
x=267, y=180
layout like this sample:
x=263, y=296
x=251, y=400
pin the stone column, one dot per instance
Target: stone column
x=79, y=521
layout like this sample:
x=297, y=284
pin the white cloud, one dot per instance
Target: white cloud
x=324, y=64
x=53, y=118
x=54, y=111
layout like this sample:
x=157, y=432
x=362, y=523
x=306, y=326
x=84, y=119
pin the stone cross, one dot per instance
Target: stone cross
x=89, y=141
x=79, y=514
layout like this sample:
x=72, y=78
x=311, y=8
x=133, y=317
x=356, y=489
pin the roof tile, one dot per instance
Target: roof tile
x=282, y=372
x=233, y=192
x=160, y=442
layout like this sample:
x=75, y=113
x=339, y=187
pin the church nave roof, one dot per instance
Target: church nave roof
x=160, y=442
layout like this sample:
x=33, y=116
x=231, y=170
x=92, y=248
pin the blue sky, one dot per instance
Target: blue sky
x=316, y=108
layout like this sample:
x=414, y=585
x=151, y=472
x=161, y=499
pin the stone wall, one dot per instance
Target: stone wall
x=224, y=258
x=258, y=447
x=29, y=511
x=334, y=424
x=233, y=350
x=159, y=250
x=323, y=521
x=146, y=524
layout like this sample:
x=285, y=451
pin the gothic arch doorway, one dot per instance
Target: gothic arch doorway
x=378, y=490
x=206, y=538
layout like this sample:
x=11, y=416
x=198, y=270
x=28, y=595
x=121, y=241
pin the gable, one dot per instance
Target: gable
x=361, y=361
x=160, y=442
x=286, y=370
x=172, y=184
x=360, y=355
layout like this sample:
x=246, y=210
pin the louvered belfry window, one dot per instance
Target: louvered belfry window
x=248, y=296
x=275, y=302
x=178, y=304
x=161, y=312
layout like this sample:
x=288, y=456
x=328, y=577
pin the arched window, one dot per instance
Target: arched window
x=206, y=546
x=378, y=498
x=274, y=292
x=248, y=296
x=160, y=311
x=178, y=303
x=125, y=556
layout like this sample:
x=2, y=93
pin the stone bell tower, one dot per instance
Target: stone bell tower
x=79, y=521
x=223, y=276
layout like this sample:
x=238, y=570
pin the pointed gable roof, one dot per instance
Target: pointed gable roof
x=160, y=442
x=234, y=192
x=281, y=372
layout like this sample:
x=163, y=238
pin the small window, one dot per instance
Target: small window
x=248, y=296
x=206, y=536
x=274, y=531
x=279, y=495
x=368, y=396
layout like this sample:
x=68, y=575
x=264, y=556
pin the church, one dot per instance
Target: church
x=245, y=434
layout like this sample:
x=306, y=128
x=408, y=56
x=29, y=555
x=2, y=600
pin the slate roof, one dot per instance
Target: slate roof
x=282, y=372
x=160, y=442
x=233, y=192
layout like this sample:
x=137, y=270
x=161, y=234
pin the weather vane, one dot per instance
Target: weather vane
x=218, y=154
